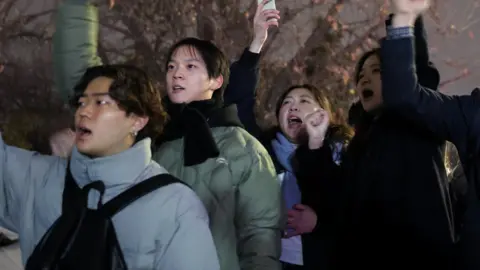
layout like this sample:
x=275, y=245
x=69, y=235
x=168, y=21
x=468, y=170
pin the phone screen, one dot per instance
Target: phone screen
x=269, y=5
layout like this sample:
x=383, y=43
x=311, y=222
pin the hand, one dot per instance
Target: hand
x=316, y=125
x=261, y=23
x=302, y=219
x=62, y=142
x=407, y=11
x=110, y=3
x=412, y=7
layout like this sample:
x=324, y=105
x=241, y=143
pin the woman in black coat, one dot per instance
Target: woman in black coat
x=387, y=205
x=453, y=118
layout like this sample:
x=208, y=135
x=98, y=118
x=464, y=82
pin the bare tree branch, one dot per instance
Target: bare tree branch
x=318, y=42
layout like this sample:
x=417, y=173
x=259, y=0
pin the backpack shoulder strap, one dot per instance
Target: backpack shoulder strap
x=71, y=191
x=127, y=197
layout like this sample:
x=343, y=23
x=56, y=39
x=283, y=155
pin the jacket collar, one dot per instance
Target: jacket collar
x=122, y=168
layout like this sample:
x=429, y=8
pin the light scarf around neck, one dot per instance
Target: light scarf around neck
x=284, y=150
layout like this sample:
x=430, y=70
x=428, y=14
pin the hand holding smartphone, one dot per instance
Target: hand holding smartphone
x=268, y=4
x=266, y=16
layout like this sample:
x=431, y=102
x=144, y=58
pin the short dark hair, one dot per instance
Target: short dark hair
x=362, y=61
x=133, y=90
x=215, y=60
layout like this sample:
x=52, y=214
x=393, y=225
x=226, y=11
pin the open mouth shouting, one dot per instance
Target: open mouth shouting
x=294, y=122
x=177, y=89
x=82, y=133
x=367, y=93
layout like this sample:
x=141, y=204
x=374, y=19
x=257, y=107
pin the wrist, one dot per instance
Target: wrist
x=403, y=20
x=315, y=143
x=256, y=46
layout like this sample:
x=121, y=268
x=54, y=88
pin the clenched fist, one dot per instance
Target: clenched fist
x=407, y=11
x=316, y=125
x=412, y=7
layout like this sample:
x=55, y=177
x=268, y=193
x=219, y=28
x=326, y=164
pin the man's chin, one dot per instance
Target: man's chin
x=175, y=99
x=181, y=97
x=86, y=151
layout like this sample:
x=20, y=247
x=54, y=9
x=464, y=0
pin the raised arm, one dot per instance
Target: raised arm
x=244, y=74
x=317, y=167
x=448, y=117
x=21, y=173
x=428, y=75
x=75, y=43
x=258, y=214
x=241, y=89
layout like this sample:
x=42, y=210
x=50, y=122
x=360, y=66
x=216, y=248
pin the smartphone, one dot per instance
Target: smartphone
x=269, y=5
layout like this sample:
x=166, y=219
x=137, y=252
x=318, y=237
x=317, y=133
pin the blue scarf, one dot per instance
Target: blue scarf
x=284, y=150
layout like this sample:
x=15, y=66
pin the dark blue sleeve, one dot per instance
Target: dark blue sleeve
x=244, y=76
x=448, y=117
x=427, y=73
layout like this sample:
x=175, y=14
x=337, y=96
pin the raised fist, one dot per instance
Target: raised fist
x=316, y=125
x=412, y=7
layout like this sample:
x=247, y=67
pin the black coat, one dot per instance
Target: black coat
x=428, y=75
x=452, y=118
x=388, y=204
x=317, y=245
x=241, y=91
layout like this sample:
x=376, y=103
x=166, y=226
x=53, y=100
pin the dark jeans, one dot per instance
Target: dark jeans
x=287, y=266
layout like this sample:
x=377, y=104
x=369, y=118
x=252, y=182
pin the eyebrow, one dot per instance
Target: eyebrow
x=95, y=95
x=371, y=66
x=302, y=96
x=187, y=60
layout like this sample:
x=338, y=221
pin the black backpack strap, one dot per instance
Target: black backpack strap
x=127, y=197
x=71, y=191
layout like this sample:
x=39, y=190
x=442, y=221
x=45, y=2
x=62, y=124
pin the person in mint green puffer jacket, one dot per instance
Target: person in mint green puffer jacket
x=229, y=169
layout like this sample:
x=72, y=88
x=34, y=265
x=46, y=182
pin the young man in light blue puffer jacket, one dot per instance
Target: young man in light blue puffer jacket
x=117, y=114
